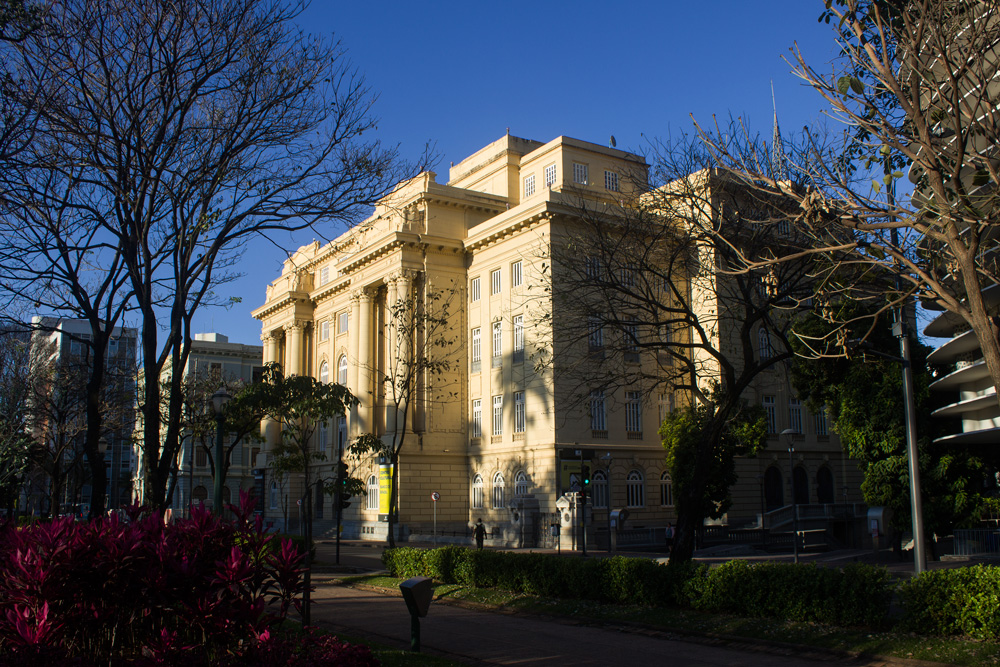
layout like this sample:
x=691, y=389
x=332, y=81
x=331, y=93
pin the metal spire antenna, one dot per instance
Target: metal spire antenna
x=779, y=169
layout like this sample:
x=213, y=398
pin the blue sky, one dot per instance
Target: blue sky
x=458, y=75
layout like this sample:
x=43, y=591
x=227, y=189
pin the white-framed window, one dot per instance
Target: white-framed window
x=598, y=417
x=272, y=496
x=477, y=418
x=529, y=185
x=635, y=489
x=580, y=173
x=324, y=330
x=550, y=175
x=795, y=415
x=519, y=417
x=498, y=414
x=820, y=420
x=595, y=333
x=499, y=499
x=516, y=274
x=371, y=497
x=324, y=372
x=592, y=266
x=474, y=290
x=323, y=436
x=611, y=181
x=633, y=411
x=341, y=433
x=343, y=322
x=770, y=414
x=628, y=275
x=495, y=283
x=477, y=349
x=497, y=344
x=666, y=490
x=600, y=490
x=342, y=370
x=477, y=492
x=520, y=484
x=764, y=343
x=518, y=321
x=324, y=275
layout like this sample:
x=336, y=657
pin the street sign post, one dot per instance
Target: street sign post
x=435, y=497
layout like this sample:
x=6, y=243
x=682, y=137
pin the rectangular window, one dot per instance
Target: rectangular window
x=595, y=333
x=495, y=282
x=477, y=418
x=519, y=412
x=633, y=412
x=628, y=276
x=550, y=175
x=795, y=415
x=498, y=415
x=593, y=267
x=770, y=414
x=529, y=185
x=611, y=181
x=477, y=349
x=518, y=338
x=474, y=290
x=497, y=344
x=598, y=421
x=324, y=330
x=580, y=173
x=515, y=274
x=631, y=333
x=343, y=322
x=324, y=275
x=820, y=419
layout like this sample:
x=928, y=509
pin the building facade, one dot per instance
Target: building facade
x=494, y=427
x=61, y=346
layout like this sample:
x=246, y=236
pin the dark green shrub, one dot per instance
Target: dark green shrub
x=441, y=563
x=857, y=595
x=405, y=562
x=948, y=602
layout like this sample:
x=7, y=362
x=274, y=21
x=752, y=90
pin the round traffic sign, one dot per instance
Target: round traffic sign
x=435, y=496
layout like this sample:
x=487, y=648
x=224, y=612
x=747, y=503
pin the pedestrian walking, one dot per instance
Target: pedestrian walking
x=480, y=534
x=670, y=535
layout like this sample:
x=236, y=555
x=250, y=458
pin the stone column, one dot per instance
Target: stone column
x=365, y=359
x=268, y=427
x=353, y=360
x=294, y=332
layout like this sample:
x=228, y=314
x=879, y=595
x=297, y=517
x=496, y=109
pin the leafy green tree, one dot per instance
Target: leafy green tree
x=745, y=434
x=864, y=396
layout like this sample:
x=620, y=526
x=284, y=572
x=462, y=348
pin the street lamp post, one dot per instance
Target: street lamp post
x=788, y=432
x=607, y=489
x=219, y=400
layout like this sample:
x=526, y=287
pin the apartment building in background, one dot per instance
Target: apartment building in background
x=498, y=431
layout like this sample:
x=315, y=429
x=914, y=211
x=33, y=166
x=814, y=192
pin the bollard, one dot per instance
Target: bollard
x=417, y=593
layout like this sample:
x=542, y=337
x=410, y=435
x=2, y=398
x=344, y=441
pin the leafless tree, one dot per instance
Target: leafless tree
x=675, y=290
x=167, y=136
x=915, y=88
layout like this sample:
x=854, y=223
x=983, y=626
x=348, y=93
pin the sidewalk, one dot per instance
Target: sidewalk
x=480, y=637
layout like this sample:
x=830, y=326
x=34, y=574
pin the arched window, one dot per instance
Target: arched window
x=824, y=486
x=342, y=370
x=764, y=344
x=774, y=489
x=635, y=489
x=666, y=490
x=600, y=484
x=800, y=481
x=324, y=372
x=499, y=501
x=273, y=496
x=477, y=492
x=520, y=484
x=371, y=495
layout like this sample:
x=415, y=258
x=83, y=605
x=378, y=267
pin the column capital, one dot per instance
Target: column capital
x=296, y=326
x=363, y=294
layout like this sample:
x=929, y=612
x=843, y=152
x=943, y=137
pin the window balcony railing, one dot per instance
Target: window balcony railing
x=633, y=435
x=477, y=366
x=497, y=362
x=599, y=435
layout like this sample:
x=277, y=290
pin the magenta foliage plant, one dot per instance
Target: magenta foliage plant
x=194, y=591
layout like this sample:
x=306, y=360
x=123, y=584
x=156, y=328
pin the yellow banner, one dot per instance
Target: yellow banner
x=384, y=490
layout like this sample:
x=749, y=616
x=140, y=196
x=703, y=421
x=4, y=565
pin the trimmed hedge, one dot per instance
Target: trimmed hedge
x=952, y=602
x=857, y=595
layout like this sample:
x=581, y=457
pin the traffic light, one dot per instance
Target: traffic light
x=586, y=476
x=342, y=473
x=344, y=499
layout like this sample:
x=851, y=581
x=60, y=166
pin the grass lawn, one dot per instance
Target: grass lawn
x=697, y=626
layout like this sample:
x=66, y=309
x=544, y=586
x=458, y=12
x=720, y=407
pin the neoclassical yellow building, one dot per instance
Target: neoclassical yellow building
x=495, y=432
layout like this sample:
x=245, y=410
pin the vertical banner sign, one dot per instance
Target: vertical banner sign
x=384, y=490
